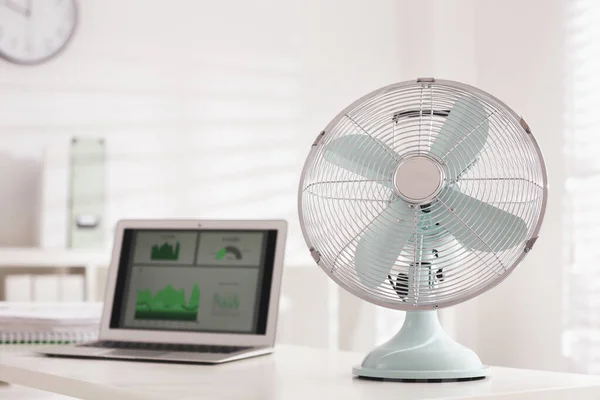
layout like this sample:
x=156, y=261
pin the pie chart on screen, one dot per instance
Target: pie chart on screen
x=225, y=248
x=229, y=253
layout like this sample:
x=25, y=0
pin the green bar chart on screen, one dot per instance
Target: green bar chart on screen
x=167, y=304
x=165, y=251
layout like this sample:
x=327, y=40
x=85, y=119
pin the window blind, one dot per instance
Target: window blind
x=582, y=215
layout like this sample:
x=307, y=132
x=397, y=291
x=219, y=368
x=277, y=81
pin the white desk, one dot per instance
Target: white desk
x=291, y=373
x=13, y=392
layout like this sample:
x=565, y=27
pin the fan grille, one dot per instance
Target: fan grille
x=505, y=170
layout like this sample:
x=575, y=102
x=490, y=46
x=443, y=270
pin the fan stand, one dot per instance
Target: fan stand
x=422, y=351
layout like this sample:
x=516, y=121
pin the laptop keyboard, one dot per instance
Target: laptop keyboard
x=196, y=348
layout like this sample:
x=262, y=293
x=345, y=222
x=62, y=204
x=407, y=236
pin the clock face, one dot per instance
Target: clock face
x=32, y=31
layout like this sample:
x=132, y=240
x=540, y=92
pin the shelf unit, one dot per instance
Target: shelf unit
x=91, y=264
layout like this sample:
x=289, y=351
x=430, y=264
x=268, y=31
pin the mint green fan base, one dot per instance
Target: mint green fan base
x=421, y=350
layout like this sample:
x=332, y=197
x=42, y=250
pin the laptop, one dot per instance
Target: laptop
x=189, y=291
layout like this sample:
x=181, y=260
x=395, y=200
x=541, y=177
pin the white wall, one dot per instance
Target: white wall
x=208, y=108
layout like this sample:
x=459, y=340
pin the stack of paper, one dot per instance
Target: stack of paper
x=33, y=323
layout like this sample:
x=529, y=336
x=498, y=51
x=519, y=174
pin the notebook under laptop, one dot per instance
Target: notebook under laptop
x=189, y=291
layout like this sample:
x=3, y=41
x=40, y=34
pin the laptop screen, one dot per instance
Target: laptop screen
x=194, y=280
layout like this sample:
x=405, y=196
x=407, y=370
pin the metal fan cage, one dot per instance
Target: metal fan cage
x=434, y=270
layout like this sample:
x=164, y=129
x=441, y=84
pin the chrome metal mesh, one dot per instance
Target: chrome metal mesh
x=431, y=268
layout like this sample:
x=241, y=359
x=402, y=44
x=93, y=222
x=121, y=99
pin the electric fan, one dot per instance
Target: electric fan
x=421, y=195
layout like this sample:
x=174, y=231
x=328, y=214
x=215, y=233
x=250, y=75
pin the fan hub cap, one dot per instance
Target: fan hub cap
x=418, y=179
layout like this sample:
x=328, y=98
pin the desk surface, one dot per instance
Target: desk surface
x=291, y=373
x=14, y=392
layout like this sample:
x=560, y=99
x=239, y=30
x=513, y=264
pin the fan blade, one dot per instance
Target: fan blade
x=363, y=155
x=382, y=242
x=488, y=228
x=462, y=136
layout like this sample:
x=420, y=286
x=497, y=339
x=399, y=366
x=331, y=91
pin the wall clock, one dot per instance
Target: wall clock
x=33, y=31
